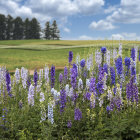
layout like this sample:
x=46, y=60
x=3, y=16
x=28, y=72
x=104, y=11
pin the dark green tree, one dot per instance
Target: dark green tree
x=47, y=31
x=9, y=27
x=27, y=29
x=18, y=29
x=2, y=27
x=35, y=29
x=55, y=31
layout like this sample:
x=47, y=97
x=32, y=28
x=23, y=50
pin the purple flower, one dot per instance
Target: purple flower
x=103, y=50
x=74, y=97
x=105, y=68
x=8, y=83
x=73, y=78
x=29, y=82
x=69, y=124
x=65, y=73
x=113, y=76
x=127, y=64
x=62, y=100
x=119, y=65
x=60, y=77
x=82, y=63
x=132, y=91
x=87, y=96
x=133, y=54
x=92, y=87
x=35, y=77
x=78, y=115
x=108, y=109
x=76, y=69
x=52, y=76
x=70, y=56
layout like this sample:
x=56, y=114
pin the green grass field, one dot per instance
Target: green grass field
x=38, y=53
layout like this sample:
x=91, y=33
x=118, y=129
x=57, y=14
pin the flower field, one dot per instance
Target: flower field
x=96, y=97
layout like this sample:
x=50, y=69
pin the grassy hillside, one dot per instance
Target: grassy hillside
x=36, y=53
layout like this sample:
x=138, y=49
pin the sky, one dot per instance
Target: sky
x=82, y=19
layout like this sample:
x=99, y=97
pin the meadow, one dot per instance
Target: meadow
x=38, y=53
x=69, y=90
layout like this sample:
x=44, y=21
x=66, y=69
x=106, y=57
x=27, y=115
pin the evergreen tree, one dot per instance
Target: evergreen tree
x=9, y=27
x=35, y=29
x=27, y=29
x=47, y=31
x=2, y=27
x=18, y=29
x=55, y=31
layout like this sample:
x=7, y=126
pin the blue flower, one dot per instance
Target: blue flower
x=70, y=56
x=82, y=63
x=35, y=77
x=78, y=115
x=133, y=54
x=103, y=50
x=52, y=76
x=119, y=65
x=113, y=75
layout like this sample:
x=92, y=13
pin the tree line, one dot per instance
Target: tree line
x=19, y=29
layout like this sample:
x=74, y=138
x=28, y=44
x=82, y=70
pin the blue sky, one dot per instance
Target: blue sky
x=82, y=19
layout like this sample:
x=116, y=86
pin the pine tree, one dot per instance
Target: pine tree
x=35, y=29
x=2, y=27
x=55, y=31
x=18, y=29
x=9, y=27
x=27, y=29
x=47, y=31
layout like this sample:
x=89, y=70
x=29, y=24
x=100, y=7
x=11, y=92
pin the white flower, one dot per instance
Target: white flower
x=42, y=97
x=31, y=95
x=80, y=85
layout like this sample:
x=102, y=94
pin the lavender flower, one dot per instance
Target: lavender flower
x=52, y=76
x=40, y=74
x=87, y=83
x=103, y=50
x=82, y=63
x=42, y=97
x=87, y=96
x=105, y=68
x=73, y=78
x=67, y=89
x=80, y=85
x=35, y=78
x=65, y=74
x=62, y=100
x=69, y=124
x=119, y=65
x=70, y=56
x=133, y=54
x=60, y=77
x=76, y=69
x=17, y=75
x=50, y=113
x=113, y=76
x=31, y=96
x=78, y=115
x=98, y=57
x=24, y=77
x=92, y=87
x=29, y=82
x=46, y=74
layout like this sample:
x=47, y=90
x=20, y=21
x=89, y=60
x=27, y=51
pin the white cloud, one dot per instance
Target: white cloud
x=126, y=36
x=85, y=37
x=128, y=12
x=67, y=30
x=110, y=9
x=101, y=25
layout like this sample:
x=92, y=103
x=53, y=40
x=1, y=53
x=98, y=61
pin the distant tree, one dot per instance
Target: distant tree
x=47, y=31
x=9, y=27
x=35, y=29
x=55, y=31
x=27, y=29
x=18, y=29
x=2, y=27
